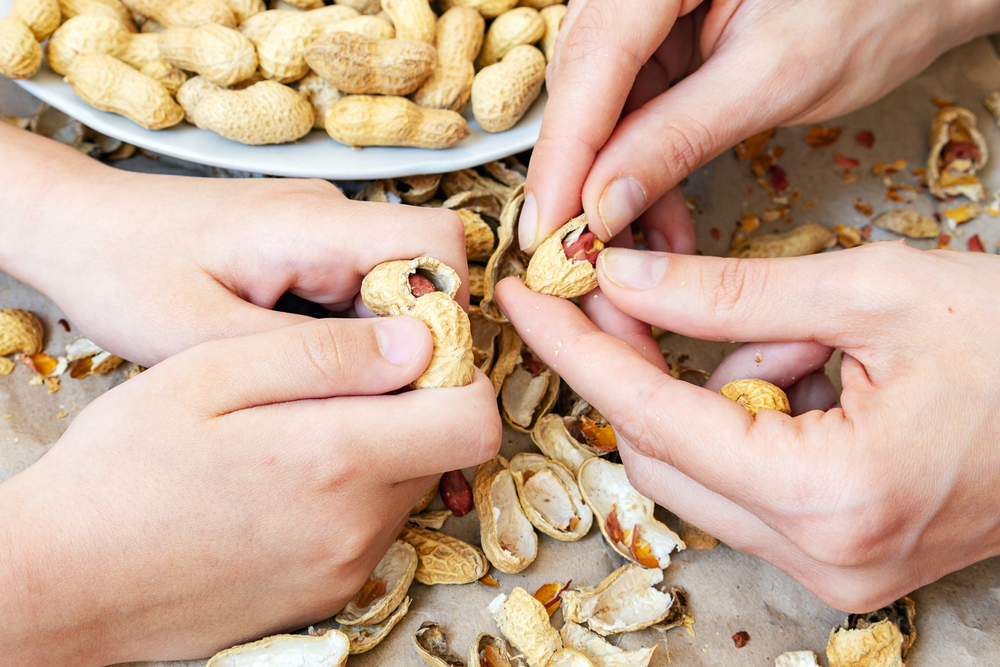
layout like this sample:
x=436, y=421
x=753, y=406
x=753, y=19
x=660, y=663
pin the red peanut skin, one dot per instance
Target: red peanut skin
x=583, y=248
x=456, y=492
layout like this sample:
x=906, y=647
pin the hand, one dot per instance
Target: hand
x=861, y=503
x=168, y=525
x=147, y=266
x=616, y=138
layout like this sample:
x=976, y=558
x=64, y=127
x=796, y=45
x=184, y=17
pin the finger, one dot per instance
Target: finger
x=667, y=224
x=781, y=364
x=316, y=359
x=813, y=392
x=849, y=299
x=637, y=335
x=601, y=50
x=406, y=436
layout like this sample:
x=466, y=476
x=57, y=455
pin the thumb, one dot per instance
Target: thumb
x=317, y=359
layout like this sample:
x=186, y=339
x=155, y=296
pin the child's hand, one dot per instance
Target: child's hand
x=241, y=488
x=147, y=266
x=860, y=503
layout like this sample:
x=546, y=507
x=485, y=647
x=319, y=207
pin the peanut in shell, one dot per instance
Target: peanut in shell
x=488, y=8
x=503, y=92
x=108, y=84
x=949, y=176
x=82, y=35
x=20, y=53
x=41, y=16
x=521, y=25
x=553, y=16
x=359, y=64
x=221, y=55
x=413, y=19
x=191, y=13
x=807, y=239
x=444, y=559
x=459, y=37
x=265, y=113
x=371, y=120
x=756, y=395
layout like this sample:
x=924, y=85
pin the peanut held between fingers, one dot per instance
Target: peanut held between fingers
x=756, y=395
x=564, y=263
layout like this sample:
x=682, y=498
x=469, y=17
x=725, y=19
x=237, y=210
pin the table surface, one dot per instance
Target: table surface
x=957, y=616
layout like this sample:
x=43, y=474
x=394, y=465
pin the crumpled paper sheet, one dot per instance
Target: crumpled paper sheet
x=958, y=617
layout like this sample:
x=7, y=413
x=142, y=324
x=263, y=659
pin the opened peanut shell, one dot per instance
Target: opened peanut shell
x=550, y=497
x=627, y=600
x=509, y=540
x=393, y=576
x=524, y=622
x=364, y=638
x=563, y=265
x=328, y=650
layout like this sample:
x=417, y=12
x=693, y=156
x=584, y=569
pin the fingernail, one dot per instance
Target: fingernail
x=400, y=339
x=632, y=269
x=527, y=224
x=657, y=242
x=622, y=202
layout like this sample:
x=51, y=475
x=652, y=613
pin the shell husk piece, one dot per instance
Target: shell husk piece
x=508, y=355
x=20, y=331
x=992, y=104
x=426, y=499
x=679, y=615
x=364, y=638
x=506, y=171
x=396, y=568
x=526, y=398
x=476, y=274
x=524, y=622
x=796, y=659
x=507, y=259
x=81, y=347
x=386, y=288
x=756, y=395
x=479, y=238
x=605, y=486
x=444, y=559
x=807, y=239
x=432, y=520
x=418, y=189
x=955, y=179
x=627, y=600
x=552, y=272
x=879, y=645
x=484, y=336
x=469, y=180
x=567, y=657
x=477, y=201
x=552, y=437
x=509, y=539
x=452, y=359
x=502, y=648
x=431, y=645
x=54, y=124
x=599, y=651
x=908, y=223
x=695, y=537
x=550, y=497
x=329, y=650
x=902, y=612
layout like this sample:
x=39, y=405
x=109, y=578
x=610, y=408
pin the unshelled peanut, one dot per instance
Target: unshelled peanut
x=108, y=84
x=41, y=16
x=488, y=8
x=459, y=37
x=20, y=53
x=83, y=34
x=359, y=64
x=113, y=8
x=265, y=113
x=221, y=55
x=553, y=17
x=369, y=120
x=362, y=6
x=191, y=13
x=281, y=50
x=171, y=76
x=522, y=25
x=502, y=93
x=369, y=26
x=413, y=19
x=141, y=49
x=244, y=9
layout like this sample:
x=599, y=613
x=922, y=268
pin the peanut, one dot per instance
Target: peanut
x=756, y=395
x=281, y=50
x=321, y=94
x=326, y=16
x=362, y=6
x=413, y=19
x=359, y=64
x=459, y=36
x=221, y=55
x=191, y=13
x=141, y=49
x=257, y=26
x=20, y=53
x=502, y=93
x=20, y=332
x=418, y=189
x=113, y=8
x=553, y=17
x=192, y=92
x=108, y=84
x=41, y=16
x=523, y=25
x=488, y=8
x=265, y=113
x=305, y=4
x=367, y=120
x=369, y=26
x=244, y=9
x=83, y=34
x=538, y=4
x=170, y=76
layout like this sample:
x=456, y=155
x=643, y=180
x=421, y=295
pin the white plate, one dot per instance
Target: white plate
x=314, y=156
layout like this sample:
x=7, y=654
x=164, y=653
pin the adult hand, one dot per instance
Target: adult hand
x=861, y=503
x=147, y=266
x=167, y=524
x=616, y=138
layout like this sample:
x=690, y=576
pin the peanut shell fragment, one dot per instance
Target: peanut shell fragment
x=599, y=651
x=396, y=570
x=796, y=659
x=328, y=650
x=425, y=500
x=509, y=539
x=553, y=271
x=552, y=436
x=444, y=559
x=567, y=657
x=507, y=259
x=550, y=497
x=756, y=395
x=908, y=223
x=490, y=651
x=524, y=622
x=20, y=332
x=431, y=645
x=695, y=537
x=364, y=638
x=627, y=600
x=879, y=645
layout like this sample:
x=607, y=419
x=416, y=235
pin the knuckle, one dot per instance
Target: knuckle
x=732, y=289
x=324, y=347
x=687, y=144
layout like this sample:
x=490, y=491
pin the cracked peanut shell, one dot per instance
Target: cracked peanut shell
x=484, y=336
x=491, y=651
x=550, y=497
x=552, y=435
x=329, y=650
x=627, y=600
x=524, y=622
x=879, y=645
x=396, y=570
x=508, y=538
x=552, y=272
x=958, y=151
x=431, y=645
x=599, y=651
x=364, y=638
x=756, y=395
x=20, y=332
x=507, y=259
x=625, y=516
x=908, y=223
x=444, y=559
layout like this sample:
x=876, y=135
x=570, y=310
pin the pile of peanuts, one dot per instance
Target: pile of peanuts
x=369, y=72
